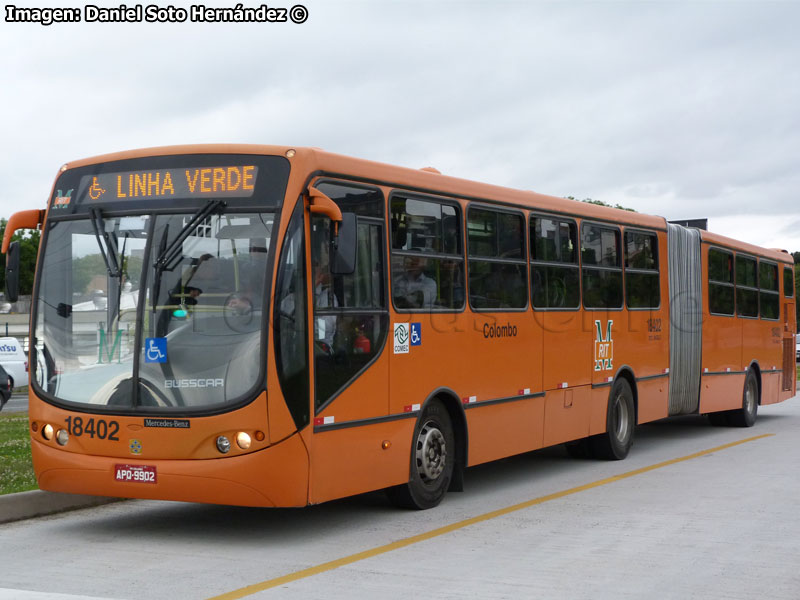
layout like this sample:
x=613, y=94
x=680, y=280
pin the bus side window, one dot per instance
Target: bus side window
x=497, y=266
x=642, y=288
x=290, y=321
x=769, y=294
x=602, y=267
x=746, y=286
x=427, y=261
x=555, y=281
x=788, y=282
x=720, y=282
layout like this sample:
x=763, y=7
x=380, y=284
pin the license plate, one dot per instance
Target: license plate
x=135, y=473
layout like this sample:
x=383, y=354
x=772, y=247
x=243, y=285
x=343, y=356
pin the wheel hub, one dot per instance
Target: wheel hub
x=750, y=398
x=431, y=453
x=622, y=418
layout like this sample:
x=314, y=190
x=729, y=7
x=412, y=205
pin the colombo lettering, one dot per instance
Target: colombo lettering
x=499, y=331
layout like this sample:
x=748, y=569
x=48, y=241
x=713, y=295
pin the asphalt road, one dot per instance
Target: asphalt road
x=695, y=511
x=17, y=403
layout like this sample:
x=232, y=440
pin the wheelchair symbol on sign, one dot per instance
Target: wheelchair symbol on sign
x=416, y=334
x=95, y=191
x=156, y=350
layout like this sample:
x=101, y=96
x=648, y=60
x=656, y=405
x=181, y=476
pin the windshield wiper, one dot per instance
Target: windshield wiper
x=121, y=270
x=110, y=257
x=168, y=254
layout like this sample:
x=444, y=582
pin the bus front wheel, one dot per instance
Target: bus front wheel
x=615, y=443
x=432, y=460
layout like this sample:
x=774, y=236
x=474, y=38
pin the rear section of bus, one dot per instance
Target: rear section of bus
x=151, y=322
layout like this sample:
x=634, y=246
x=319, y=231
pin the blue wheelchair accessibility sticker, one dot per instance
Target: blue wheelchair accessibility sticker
x=416, y=334
x=155, y=350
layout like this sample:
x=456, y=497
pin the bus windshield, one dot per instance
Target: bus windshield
x=158, y=312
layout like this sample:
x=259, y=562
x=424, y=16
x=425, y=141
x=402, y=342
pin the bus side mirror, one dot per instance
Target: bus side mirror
x=12, y=272
x=343, y=246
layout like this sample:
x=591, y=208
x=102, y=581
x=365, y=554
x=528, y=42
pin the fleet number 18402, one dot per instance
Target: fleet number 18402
x=100, y=428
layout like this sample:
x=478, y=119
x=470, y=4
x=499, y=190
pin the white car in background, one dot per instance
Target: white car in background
x=14, y=361
x=797, y=346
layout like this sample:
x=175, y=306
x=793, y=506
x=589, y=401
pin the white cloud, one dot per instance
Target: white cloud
x=681, y=109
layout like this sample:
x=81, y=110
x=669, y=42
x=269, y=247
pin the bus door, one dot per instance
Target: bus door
x=567, y=343
x=350, y=322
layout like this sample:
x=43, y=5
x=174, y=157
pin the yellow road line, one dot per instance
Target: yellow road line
x=353, y=558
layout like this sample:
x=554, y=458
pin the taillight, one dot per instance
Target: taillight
x=26, y=366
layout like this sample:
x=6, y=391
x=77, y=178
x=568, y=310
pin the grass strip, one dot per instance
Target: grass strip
x=16, y=468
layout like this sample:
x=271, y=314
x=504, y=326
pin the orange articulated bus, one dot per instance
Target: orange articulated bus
x=271, y=326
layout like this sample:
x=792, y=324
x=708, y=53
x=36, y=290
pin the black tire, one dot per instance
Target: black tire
x=432, y=460
x=615, y=443
x=746, y=416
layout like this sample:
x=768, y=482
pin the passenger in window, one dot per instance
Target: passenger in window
x=414, y=289
x=324, y=327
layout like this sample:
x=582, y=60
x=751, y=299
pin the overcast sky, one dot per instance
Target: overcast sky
x=681, y=109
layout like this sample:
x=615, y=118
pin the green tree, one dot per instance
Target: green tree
x=28, y=249
x=601, y=203
x=85, y=269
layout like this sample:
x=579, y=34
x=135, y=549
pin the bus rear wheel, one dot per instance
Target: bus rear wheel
x=615, y=443
x=432, y=460
x=746, y=416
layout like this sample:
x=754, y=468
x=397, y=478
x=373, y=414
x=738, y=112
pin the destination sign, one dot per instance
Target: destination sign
x=236, y=181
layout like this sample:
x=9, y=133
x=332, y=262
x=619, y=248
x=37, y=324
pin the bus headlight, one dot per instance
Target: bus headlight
x=47, y=432
x=243, y=440
x=223, y=444
x=62, y=437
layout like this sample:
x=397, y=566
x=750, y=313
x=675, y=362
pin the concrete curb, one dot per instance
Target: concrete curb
x=37, y=503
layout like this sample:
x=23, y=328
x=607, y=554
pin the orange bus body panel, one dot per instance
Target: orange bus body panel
x=352, y=461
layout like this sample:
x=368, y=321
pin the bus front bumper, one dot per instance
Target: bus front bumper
x=274, y=476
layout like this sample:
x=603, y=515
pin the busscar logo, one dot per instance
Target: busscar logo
x=603, y=348
x=194, y=383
